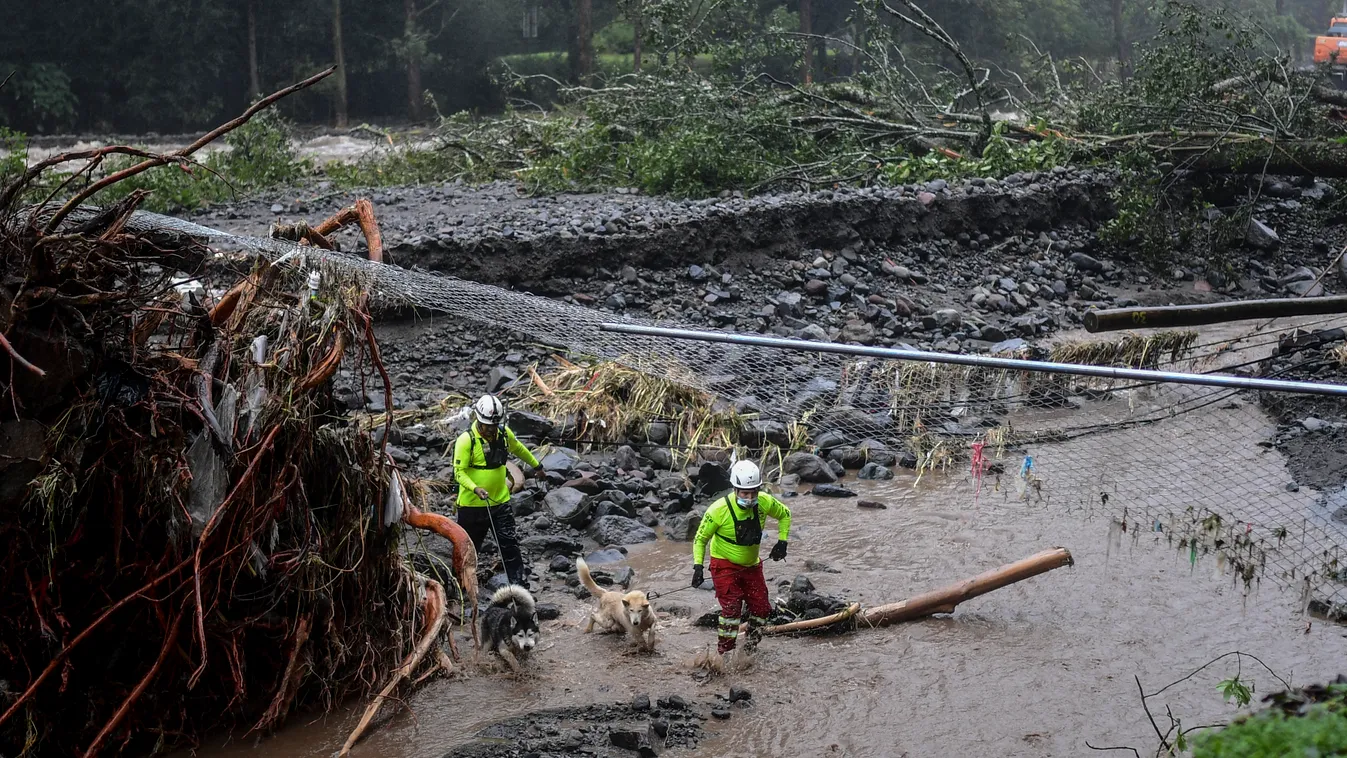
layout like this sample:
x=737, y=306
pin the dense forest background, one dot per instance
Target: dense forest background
x=172, y=65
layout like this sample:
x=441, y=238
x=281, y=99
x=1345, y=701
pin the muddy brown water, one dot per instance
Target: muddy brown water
x=1039, y=668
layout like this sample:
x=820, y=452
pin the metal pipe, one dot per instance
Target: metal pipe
x=1169, y=316
x=983, y=361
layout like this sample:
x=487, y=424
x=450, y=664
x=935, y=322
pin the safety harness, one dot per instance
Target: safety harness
x=496, y=453
x=747, y=532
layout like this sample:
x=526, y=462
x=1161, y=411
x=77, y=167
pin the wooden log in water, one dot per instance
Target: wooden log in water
x=944, y=600
x=809, y=624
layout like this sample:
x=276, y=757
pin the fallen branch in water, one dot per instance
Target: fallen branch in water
x=435, y=613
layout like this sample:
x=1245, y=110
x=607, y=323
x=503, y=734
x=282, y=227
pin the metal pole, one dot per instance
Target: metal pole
x=982, y=361
x=1169, y=316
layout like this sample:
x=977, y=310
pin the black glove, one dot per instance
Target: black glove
x=697, y=577
x=779, y=550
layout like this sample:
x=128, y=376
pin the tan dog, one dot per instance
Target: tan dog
x=630, y=613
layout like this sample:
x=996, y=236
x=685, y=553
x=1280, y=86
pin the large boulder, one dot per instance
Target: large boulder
x=809, y=467
x=569, y=506
x=530, y=425
x=620, y=530
x=626, y=458
x=877, y=452
x=561, y=459
x=762, y=432
x=552, y=544
x=683, y=527
x=712, y=479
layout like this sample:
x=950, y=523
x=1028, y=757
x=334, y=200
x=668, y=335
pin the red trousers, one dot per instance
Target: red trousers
x=736, y=586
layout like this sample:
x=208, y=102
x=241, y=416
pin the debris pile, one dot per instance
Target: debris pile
x=195, y=537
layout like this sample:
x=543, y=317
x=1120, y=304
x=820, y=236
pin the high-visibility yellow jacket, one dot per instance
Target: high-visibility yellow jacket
x=718, y=528
x=470, y=467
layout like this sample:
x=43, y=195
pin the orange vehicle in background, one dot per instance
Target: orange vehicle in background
x=1331, y=48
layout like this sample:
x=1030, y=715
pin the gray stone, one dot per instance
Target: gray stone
x=501, y=377
x=661, y=458
x=859, y=332
x=809, y=467
x=761, y=432
x=530, y=425
x=658, y=433
x=569, y=506
x=1086, y=263
x=874, y=471
x=620, y=530
x=554, y=544
x=832, y=490
x=560, y=460
x=561, y=565
x=1261, y=236
x=626, y=458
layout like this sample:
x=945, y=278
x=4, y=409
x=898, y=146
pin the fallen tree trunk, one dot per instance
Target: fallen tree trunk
x=1171, y=316
x=945, y=600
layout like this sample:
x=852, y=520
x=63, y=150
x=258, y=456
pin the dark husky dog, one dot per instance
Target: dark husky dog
x=510, y=624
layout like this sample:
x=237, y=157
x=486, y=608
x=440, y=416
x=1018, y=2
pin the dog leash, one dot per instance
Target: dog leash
x=653, y=595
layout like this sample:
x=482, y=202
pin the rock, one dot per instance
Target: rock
x=1313, y=424
x=599, y=557
x=658, y=432
x=1305, y=289
x=874, y=504
x=712, y=479
x=809, y=467
x=548, y=611
x=683, y=527
x=640, y=703
x=661, y=458
x=762, y=432
x=948, y=317
x=816, y=288
x=814, y=332
x=859, y=332
x=1261, y=236
x=829, y=440
x=626, y=458
x=500, y=378
x=543, y=544
x=629, y=739
x=530, y=425
x=720, y=713
x=673, y=703
x=739, y=693
x=625, y=576
x=801, y=585
x=277, y=208
x=620, y=530
x=1086, y=263
x=908, y=460
x=874, y=471
x=832, y=490
x=561, y=565
x=838, y=469
x=524, y=503
x=847, y=457
x=569, y=506
x=877, y=452
x=560, y=460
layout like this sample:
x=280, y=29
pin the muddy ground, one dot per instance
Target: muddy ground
x=957, y=268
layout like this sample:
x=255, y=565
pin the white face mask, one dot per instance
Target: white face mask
x=745, y=501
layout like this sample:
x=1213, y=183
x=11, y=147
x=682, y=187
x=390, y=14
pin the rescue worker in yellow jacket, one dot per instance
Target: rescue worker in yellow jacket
x=484, y=484
x=733, y=525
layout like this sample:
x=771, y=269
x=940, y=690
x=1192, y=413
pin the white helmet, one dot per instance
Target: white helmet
x=744, y=476
x=488, y=410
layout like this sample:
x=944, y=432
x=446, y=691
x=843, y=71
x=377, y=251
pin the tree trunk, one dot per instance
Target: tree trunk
x=637, y=16
x=339, y=56
x=807, y=28
x=413, y=62
x=858, y=41
x=1120, y=37
x=584, y=47
x=254, y=76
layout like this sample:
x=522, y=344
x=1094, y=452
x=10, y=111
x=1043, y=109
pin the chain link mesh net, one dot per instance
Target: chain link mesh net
x=1256, y=481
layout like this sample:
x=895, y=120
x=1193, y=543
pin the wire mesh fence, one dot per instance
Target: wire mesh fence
x=1256, y=481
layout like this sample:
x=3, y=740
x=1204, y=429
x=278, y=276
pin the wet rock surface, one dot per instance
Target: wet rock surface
x=602, y=731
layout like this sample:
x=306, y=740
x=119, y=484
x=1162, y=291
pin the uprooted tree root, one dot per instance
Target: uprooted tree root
x=194, y=538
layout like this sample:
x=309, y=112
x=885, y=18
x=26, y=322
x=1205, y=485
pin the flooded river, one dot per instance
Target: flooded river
x=1035, y=669
x=1039, y=668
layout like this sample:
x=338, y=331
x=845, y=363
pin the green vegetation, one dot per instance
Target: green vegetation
x=1296, y=726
